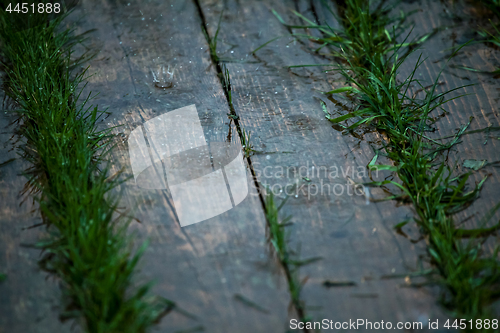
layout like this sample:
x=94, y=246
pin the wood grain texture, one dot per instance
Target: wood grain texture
x=279, y=106
x=205, y=266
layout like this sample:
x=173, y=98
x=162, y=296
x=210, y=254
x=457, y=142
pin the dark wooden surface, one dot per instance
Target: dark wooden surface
x=204, y=267
x=354, y=238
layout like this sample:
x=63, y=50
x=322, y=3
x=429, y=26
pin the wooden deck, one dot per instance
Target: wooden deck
x=209, y=267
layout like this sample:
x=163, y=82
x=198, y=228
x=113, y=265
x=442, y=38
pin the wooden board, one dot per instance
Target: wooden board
x=279, y=107
x=205, y=266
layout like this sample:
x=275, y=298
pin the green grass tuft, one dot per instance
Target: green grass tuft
x=278, y=237
x=370, y=56
x=88, y=248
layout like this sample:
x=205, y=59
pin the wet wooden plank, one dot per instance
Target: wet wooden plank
x=278, y=106
x=205, y=267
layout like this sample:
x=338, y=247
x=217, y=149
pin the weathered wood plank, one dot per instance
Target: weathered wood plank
x=279, y=106
x=202, y=267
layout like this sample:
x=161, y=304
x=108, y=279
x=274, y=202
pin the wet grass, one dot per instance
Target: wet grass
x=246, y=142
x=88, y=246
x=289, y=259
x=371, y=54
x=243, y=135
x=225, y=79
